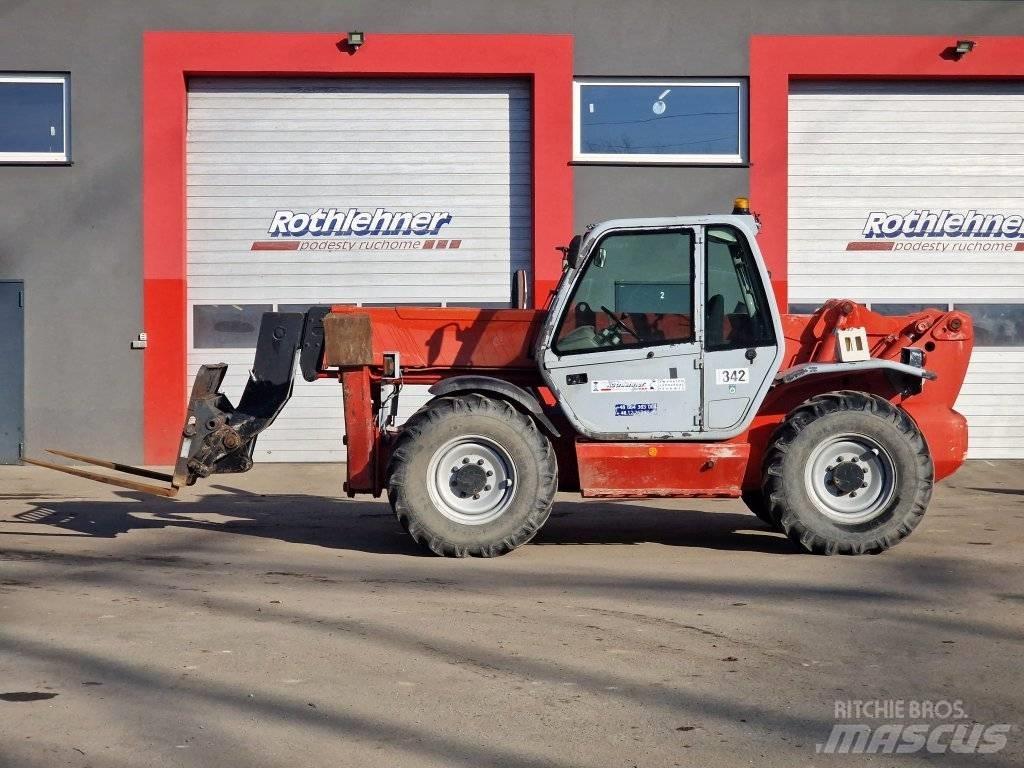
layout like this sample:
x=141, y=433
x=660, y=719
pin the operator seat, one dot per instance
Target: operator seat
x=714, y=332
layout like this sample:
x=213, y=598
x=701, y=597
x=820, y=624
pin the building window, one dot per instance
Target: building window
x=34, y=118
x=996, y=325
x=804, y=308
x=669, y=122
x=892, y=308
x=227, y=326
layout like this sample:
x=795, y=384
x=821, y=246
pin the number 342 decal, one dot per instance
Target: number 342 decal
x=732, y=376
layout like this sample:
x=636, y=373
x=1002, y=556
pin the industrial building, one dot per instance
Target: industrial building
x=169, y=171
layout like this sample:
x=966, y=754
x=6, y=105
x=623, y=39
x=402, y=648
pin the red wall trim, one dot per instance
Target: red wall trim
x=776, y=60
x=170, y=57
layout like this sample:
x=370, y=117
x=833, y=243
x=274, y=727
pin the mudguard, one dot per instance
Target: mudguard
x=499, y=387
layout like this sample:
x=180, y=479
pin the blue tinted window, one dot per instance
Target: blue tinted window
x=668, y=121
x=32, y=117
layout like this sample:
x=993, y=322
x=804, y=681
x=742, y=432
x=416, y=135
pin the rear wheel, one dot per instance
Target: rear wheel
x=472, y=476
x=847, y=473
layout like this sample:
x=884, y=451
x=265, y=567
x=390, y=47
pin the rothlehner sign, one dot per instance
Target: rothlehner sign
x=944, y=223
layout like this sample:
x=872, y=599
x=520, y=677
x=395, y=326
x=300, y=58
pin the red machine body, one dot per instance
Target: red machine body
x=435, y=344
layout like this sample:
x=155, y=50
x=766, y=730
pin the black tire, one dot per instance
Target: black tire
x=436, y=426
x=815, y=423
x=756, y=503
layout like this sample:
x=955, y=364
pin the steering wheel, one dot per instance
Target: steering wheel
x=620, y=324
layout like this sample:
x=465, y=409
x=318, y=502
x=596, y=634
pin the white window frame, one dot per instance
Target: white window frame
x=64, y=79
x=598, y=158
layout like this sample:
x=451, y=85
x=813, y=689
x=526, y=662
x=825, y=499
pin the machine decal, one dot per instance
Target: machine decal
x=607, y=386
x=635, y=409
x=726, y=376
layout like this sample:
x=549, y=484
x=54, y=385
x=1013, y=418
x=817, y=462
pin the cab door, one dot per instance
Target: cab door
x=741, y=331
x=623, y=357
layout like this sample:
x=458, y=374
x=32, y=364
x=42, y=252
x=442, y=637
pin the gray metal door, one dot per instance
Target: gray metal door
x=624, y=360
x=741, y=340
x=12, y=371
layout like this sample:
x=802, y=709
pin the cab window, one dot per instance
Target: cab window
x=636, y=291
x=736, y=313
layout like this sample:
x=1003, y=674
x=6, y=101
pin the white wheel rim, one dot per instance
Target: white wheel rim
x=471, y=480
x=850, y=478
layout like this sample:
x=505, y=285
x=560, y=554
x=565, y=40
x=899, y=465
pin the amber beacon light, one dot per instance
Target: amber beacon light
x=741, y=206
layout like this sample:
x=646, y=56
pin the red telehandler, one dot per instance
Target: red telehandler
x=661, y=367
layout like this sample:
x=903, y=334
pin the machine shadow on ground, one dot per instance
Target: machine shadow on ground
x=369, y=526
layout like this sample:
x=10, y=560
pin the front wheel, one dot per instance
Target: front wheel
x=472, y=476
x=756, y=503
x=848, y=473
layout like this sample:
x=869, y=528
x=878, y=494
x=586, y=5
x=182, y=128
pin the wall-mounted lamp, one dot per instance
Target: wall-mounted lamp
x=962, y=48
x=356, y=39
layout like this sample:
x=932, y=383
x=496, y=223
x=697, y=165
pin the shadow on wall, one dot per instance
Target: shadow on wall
x=371, y=527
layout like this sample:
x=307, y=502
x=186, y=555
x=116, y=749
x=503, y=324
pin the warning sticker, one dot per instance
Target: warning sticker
x=638, y=385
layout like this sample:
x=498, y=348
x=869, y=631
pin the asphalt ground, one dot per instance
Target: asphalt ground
x=260, y=620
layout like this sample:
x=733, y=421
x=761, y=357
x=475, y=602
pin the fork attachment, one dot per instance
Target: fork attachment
x=219, y=437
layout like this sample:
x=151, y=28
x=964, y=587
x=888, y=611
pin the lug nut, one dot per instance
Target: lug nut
x=476, y=495
x=829, y=468
x=853, y=494
x=489, y=473
x=487, y=487
x=455, y=469
x=863, y=485
x=465, y=461
x=854, y=459
x=839, y=459
x=479, y=462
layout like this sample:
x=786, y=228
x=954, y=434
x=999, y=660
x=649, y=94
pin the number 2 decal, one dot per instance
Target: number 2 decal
x=732, y=376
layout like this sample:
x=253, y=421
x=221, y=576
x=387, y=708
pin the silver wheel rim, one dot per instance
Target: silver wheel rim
x=471, y=480
x=836, y=490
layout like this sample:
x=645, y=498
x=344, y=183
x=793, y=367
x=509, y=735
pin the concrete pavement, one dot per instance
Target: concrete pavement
x=260, y=620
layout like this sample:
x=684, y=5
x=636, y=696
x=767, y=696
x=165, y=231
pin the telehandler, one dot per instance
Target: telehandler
x=661, y=367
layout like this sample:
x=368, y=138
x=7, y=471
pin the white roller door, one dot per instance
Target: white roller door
x=878, y=174
x=305, y=191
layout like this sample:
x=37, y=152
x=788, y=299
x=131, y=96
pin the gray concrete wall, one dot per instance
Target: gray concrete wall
x=74, y=233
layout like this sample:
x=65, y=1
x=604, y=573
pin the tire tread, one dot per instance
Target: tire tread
x=776, y=495
x=476, y=405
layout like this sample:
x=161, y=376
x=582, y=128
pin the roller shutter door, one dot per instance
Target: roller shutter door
x=893, y=148
x=259, y=148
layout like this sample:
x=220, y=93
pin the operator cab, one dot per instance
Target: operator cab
x=663, y=328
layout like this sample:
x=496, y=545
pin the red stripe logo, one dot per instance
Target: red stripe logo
x=860, y=245
x=275, y=245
